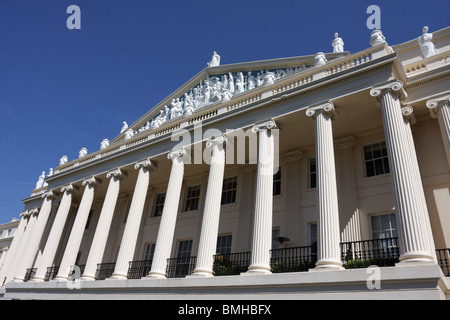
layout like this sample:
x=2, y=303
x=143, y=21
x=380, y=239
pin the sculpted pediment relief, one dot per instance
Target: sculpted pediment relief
x=216, y=84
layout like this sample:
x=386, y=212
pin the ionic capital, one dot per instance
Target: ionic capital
x=146, y=164
x=393, y=86
x=92, y=181
x=117, y=173
x=34, y=212
x=326, y=107
x=24, y=214
x=408, y=113
x=269, y=124
x=213, y=141
x=49, y=195
x=69, y=189
x=176, y=154
x=434, y=104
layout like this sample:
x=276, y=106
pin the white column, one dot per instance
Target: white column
x=211, y=213
x=329, y=253
x=166, y=231
x=24, y=245
x=131, y=232
x=440, y=108
x=409, y=120
x=413, y=236
x=56, y=232
x=33, y=244
x=262, y=224
x=104, y=224
x=3, y=254
x=76, y=234
x=13, y=249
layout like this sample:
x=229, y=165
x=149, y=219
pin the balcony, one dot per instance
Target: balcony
x=355, y=254
x=362, y=254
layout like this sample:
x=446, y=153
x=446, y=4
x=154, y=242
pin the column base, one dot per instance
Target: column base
x=60, y=279
x=255, y=270
x=199, y=273
x=87, y=277
x=416, y=257
x=37, y=279
x=328, y=265
x=18, y=280
x=155, y=275
x=118, y=277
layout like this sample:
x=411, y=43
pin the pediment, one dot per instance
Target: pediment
x=217, y=84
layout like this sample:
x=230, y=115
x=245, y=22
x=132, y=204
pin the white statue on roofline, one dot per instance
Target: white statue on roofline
x=338, y=43
x=215, y=61
x=426, y=44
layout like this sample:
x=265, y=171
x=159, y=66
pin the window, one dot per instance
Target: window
x=192, y=198
x=312, y=173
x=159, y=204
x=184, y=249
x=149, y=251
x=223, y=244
x=277, y=183
x=376, y=159
x=229, y=190
x=384, y=226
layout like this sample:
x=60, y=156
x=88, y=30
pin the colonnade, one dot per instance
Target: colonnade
x=416, y=242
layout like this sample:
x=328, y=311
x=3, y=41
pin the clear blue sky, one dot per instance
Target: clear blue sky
x=61, y=90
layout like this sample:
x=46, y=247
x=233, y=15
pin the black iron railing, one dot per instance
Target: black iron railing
x=180, y=267
x=292, y=259
x=443, y=258
x=30, y=274
x=104, y=270
x=231, y=263
x=362, y=254
x=51, y=273
x=139, y=269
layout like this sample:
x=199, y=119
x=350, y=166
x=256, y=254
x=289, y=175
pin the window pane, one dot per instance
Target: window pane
x=229, y=190
x=376, y=150
x=370, y=170
x=368, y=152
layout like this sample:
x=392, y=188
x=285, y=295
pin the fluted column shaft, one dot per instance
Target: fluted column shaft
x=409, y=119
x=211, y=213
x=56, y=232
x=76, y=234
x=166, y=231
x=329, y=255
x=441, y=108
x=413, y=236
x=33, y=245
x=131, y=232
x=23, y=245
x=104, y=224
x=13, y=249
x=262, y=224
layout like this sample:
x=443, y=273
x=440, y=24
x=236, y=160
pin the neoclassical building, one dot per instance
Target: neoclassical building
x=318, y=176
